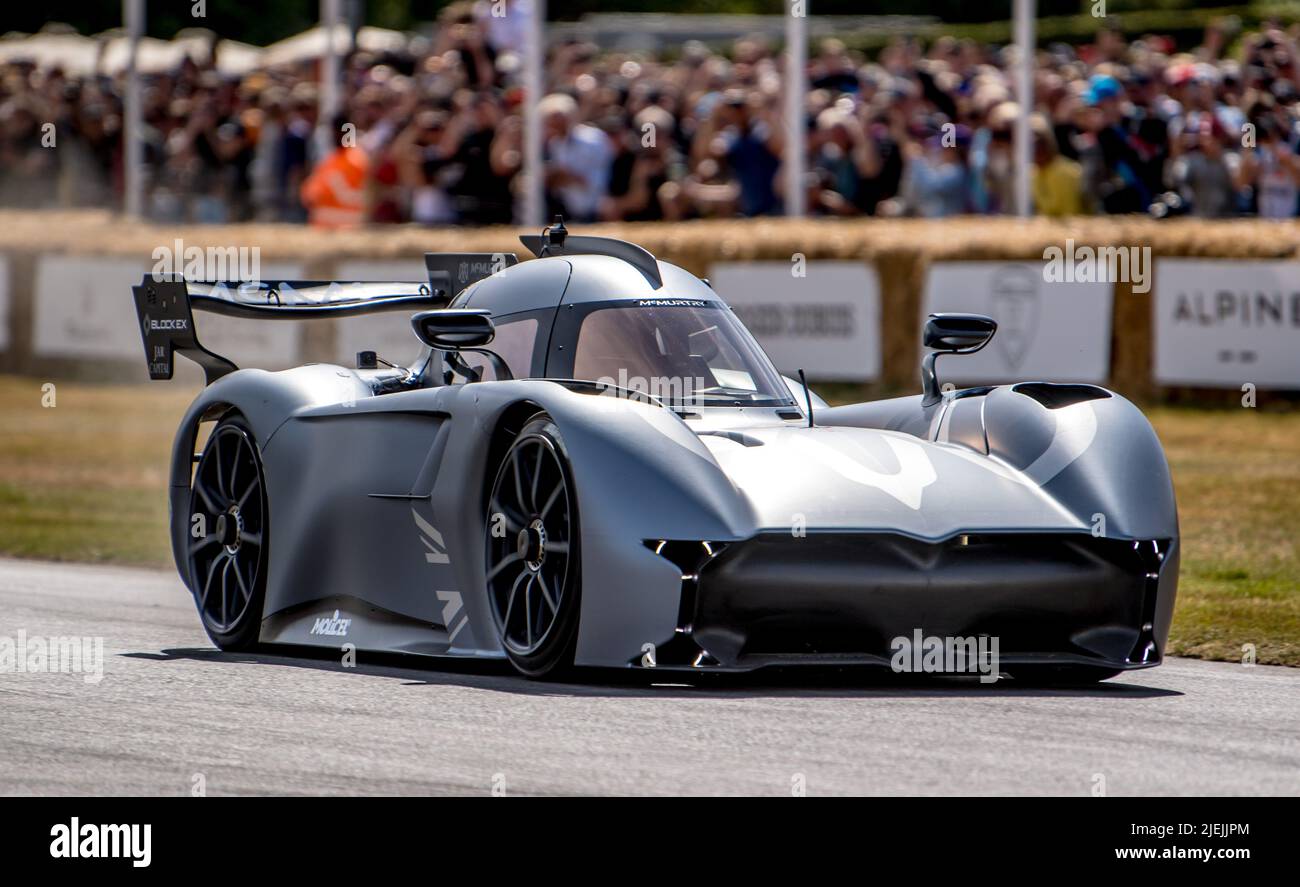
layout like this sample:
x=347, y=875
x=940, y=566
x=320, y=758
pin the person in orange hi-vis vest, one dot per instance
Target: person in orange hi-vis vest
x=335, y=191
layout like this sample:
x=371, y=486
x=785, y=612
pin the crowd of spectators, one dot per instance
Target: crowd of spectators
x=436, y=137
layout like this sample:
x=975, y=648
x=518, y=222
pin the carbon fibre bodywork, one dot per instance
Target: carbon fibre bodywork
x=728, y=537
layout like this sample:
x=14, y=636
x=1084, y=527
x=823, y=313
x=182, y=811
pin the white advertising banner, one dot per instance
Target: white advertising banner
x=389, y=335
x=1224, y=324
x=1051, y=332
x=84, y=310
x=826, y=322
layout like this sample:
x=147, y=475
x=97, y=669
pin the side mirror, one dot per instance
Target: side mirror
x=452, y=329
x=951, y=334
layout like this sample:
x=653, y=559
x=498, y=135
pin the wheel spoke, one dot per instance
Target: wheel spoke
x=207, y=583
x=519, y=487
x=537, y=473
x=512, y=516
x=234, y=468
x=510, y=603
x=203, y=494
x=216, y=457
x=239, y=577
x=528, y=611
x=555, y=494
x=244, y=498
x=225, y=610
x=557, y=547
x=512, y=558
x=546, y=593
x=199, y=545
x=253, y=539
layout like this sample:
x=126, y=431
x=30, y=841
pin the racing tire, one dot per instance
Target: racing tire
x=532, y=562
x=227, y=536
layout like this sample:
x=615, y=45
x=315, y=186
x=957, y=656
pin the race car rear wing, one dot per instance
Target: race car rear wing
x=165, y=307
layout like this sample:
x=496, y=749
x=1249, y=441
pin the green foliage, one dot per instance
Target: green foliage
x=262, y=23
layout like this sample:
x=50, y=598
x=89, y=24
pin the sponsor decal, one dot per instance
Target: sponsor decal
x=454, y=617
x=331, y=626
x=453, y=606
x=477, y=270
x=672, y=303
x=152, y=325
x=436, y=549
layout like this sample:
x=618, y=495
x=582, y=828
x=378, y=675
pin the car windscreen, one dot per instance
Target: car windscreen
x=684, y=352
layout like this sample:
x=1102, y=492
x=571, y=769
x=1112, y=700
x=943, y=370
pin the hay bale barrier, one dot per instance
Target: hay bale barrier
x=900, y=250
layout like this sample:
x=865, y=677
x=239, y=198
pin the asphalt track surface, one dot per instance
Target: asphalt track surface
x=172, y=712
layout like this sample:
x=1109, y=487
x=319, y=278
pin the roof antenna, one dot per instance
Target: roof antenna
x=555, y=235
x=807, y=396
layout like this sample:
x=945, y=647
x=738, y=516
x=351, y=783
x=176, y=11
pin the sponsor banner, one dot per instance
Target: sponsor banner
x=389, y=335
x=1224, y=324
x=826, y=322
x=1054, y=332
x=5, y=319
x=83, y=310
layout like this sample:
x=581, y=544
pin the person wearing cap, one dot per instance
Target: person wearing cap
x=1119, y=164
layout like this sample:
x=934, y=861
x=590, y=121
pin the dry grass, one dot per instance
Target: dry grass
x=1237, y=478
x=695, y=245
x=86, y=481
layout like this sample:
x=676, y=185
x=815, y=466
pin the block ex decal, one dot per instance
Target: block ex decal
x=454, y=617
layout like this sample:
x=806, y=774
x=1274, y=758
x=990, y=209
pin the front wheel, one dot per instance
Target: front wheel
x=532, y=551
x=227, y=536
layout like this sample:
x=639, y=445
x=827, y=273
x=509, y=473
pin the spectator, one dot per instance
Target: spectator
x=1056, y=180
x=935, y=180
x=436, y=130
x=577, y=160
x=334, y=192
x=1270, y=172
x=1207, y=176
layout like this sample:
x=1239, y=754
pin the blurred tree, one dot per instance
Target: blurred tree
x=267, y=21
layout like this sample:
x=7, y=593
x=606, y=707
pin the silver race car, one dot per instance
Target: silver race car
x=593, y=463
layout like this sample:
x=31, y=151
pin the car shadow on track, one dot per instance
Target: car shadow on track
x=806, y=681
